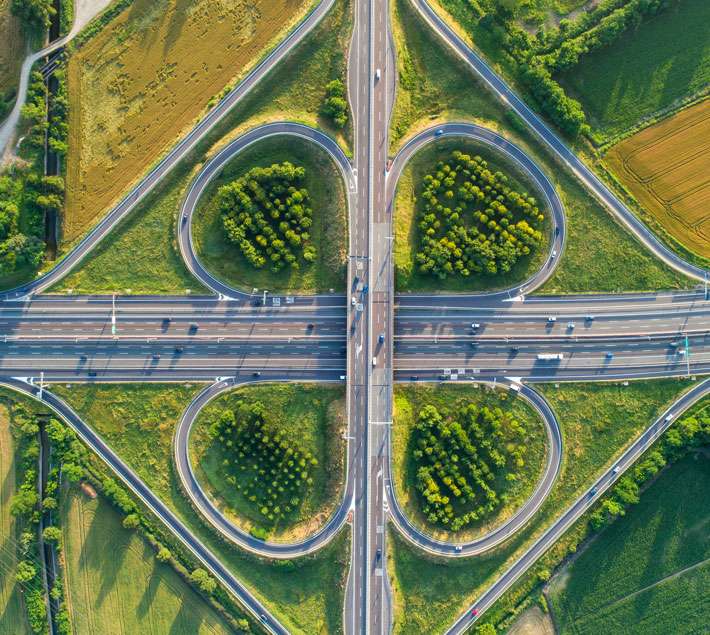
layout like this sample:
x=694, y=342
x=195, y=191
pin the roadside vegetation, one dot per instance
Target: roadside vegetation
x=650, y=571
x=272, y=456
x=314, y=262
x=436, y=86
x=597, y=420
x=464, y=459
x=137, y=421
x=294, y=91
x=13, y=48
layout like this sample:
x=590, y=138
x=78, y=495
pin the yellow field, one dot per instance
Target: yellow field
x=13, y=619
x=667, y=168
x=12, y=50
x=141, y=82
x=115, y=585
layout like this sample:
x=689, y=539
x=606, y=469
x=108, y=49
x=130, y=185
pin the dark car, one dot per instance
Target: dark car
x=378, y=554
x=179, y=349
x=193, y=328
x=92, y=373
x=256, y=373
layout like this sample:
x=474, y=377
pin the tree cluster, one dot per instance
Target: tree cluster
x=35, y=15
x=267, y=468
x=461, y=457
x=266, y=213
x=335, y=107
x=472, y=221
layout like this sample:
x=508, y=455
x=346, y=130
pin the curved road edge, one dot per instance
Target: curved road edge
x=580, y=506
x=508, y=96
x=507, y=529
x=524, y=163
x=148, y=182
x=213, y=168
x=228, y=530
x=193, y=544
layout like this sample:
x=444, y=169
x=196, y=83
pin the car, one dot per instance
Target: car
x=475, y=326
x=156, y=356
x=474, y=612
x=167, y=320
x=457, y=548
x=256, y=302
x=616, y=469
x=184, y=218
x=353, y=301
x=570, y=326
x=439, y=132
x=263, y=618
x=553, y=254
x=82, y=358
x=374, y=361
x=353, y=326
x=310, y=326
x=551, y=319
x=557, y=231
x=378, y=74
x=593, y=491
x=381, y=338
x=179, y=349
x=443, y=377
x=609, y=355
x=674, y=344
x=92, y=373
x=514, y=349
x=414, y=377
x=193, y=327
x=378, y=554
x=256, y=373
x=589, y=318
x=681, y=352
x=474, y=344
x=365, y=289
x=342, y=378
x=669, y=417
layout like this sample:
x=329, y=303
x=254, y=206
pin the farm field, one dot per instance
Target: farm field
x=597, y=421
x=13, y=617
x=294, y=91
x=645, y=70
x=408, y=402
x=329, y=231
x=137, y=421
x=435, y=86
x=667, y=168
x=12, y=52
x=142, y=81
x=649, y=572
x=124, y=586
x=311, y=414
x=408, y=205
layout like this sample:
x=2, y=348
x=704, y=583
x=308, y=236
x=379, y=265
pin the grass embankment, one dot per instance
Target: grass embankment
x=435, y=86
x=408, y=402
x=645, y=70
x=140, y=83
x=137, y=421
x=650, y=571
x=597, y=422
x=328, y=233
x=408, y=206
x=13, y=49
x=141, y=254
x=123, y=586
x=13, y=617
x=312, y=415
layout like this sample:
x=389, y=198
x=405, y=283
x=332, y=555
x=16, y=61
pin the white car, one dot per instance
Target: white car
x=616, y=469
x=374, y=361
x=377, y=75
x=353, y=300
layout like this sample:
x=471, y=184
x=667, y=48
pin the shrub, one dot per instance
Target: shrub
x=335, y=106
x=204, y=581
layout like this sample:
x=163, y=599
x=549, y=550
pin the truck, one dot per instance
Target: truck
x=550, y=357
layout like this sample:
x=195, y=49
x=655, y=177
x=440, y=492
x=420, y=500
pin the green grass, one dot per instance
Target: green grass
x=619, y=582
x=408, y=402
x=141, y=254
x=137, y=421
x=13, y=617
x=124, y=587
x=408, y=206
x=328, y=233
x=647, y=69
x=597, y=422
x=311, y=414
x=436, y=86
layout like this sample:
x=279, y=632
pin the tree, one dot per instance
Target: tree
x=164, y=554
x=203, y=580
x=52, y=534
x=26, y=572
x=35, y=14
x=334, y=106
x=132, y=521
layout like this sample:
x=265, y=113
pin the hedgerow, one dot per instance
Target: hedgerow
x=472, y=221
x=267, y=215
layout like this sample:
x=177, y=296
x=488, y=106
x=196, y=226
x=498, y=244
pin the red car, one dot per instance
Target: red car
x=474, y=612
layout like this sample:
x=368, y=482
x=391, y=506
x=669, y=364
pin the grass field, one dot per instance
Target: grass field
x=408, y=401
x=645, y=70
x=124, y=589
x=408, y=206
x=325, y=185
x=597, y=422
x=649, y=572
x=13, y=617
x=12, y=52
x=435, y=86
x=141, y=254
x=137, y=421
x=311, y=414
x=666, y=168
x=141, y=82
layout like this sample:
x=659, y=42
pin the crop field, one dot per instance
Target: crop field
x=408, y=401
x=13, y=618
x=143, y=80
x=312, y=415
x=12, y=52
x=645, y=70
x=649, y=572
x=328, y=233
x=667, y=169
x=137, y=421
x=124, y=588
